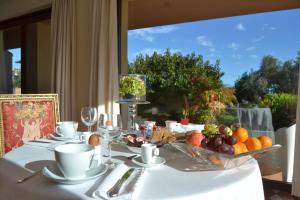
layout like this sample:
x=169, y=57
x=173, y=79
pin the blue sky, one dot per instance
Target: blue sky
x=16, y=57
x=239, y=42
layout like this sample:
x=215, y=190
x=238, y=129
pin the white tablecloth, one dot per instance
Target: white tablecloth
x=174, y=180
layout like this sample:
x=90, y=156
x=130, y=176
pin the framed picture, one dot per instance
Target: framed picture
x=26, y=117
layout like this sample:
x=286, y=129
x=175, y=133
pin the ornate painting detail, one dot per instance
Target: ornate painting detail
x=28, y=119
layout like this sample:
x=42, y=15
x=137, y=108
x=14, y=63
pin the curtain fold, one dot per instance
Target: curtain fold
x=63, y=58
x=3, y=71
x=296, y=174
x=104, y=57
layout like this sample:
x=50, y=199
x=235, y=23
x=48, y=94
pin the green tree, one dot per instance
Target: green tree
x=251, y=87
x=17, y=78
x=176, y=82
x=273, y=76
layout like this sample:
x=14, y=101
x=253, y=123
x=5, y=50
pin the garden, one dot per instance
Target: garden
x=189, y=87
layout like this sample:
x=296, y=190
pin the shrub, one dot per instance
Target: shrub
x=283, y=107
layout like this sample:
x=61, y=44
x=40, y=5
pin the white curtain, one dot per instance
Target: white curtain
x=63, y=49
x=104, y=57
x=296, y=174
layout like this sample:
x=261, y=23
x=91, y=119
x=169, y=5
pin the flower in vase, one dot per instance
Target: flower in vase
x=132, y=86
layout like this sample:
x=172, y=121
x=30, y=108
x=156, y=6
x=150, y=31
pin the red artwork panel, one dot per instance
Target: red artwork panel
x=26, y=120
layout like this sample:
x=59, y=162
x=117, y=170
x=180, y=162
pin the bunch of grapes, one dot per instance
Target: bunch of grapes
x=210, y=130
x=221, y=142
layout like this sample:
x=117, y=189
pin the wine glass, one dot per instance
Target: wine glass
x=89, y=116
x=109, y=132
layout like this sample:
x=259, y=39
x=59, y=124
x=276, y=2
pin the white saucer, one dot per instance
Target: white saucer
x=60, y=138
x=158, y=161
x=53, y=174
x=136, y=150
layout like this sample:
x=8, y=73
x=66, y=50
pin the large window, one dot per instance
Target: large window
x=239, y=70
x=25, y=54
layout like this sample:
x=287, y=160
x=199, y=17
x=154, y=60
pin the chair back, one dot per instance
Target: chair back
x=26, y=117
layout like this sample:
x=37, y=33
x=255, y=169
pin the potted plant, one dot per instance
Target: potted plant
x=133, y=87
x=185, y=120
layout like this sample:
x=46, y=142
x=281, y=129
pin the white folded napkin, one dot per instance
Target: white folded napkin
x=45, y=143
x=128, y=189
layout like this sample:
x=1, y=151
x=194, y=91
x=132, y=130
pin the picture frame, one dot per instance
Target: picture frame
x=25, y=117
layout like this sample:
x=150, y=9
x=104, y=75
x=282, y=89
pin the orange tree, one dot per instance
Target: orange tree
x=182, y=85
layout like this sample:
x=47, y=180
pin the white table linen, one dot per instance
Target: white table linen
x=129, y=187
x=175, y=180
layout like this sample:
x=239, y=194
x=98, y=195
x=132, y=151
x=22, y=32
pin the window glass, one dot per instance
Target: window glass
x=240, y=71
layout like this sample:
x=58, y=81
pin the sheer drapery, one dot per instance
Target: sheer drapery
x=63, y=48
x=296, y=174
x=104, y=57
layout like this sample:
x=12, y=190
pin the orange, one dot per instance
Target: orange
x=240, y=147
x=244, y=148
x=241, y=134
x=237, y=149
x=265, y=141
x=253, y=144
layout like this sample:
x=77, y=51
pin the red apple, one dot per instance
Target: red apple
x=195, y=138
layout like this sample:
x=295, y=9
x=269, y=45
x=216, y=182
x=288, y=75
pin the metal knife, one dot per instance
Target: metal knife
x=40, y=141
x=114, y=191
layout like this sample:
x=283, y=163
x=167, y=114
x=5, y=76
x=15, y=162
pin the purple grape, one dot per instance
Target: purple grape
x=217, y=141
x=204, y=143
x=230, y=150
x=210, y=145
x=223, y=148
x=231, y=140
x=223, y=130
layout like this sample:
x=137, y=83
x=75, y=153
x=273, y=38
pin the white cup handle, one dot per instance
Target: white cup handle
x=81, y=138
x=58, y=131
x=155, y=151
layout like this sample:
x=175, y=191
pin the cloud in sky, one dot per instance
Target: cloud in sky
x=236, y=56
x=253, y=56
x=148, y=34
x=234, y=46
x=267, y=27
x=211, y=55
x=254, y=40
x=204, y=41
x=250, y=48
x=212, y=49
x=240, y=27
x=150, y=51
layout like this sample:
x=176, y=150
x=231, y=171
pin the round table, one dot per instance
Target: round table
x=175, y=180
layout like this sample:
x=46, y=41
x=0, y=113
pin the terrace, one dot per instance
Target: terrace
x=36, y=58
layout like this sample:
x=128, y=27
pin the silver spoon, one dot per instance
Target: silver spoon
x=30, y=176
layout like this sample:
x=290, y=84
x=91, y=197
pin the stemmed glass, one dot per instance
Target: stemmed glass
x=109, y=133
x=89, y=116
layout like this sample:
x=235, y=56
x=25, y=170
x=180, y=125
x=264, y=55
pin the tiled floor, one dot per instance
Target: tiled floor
x=271, y=194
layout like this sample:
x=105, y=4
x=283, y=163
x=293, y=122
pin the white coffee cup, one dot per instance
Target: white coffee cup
x=149, y=153
x=85, y=136
x=170, y=124
x=74, y=160
x=66, y=128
